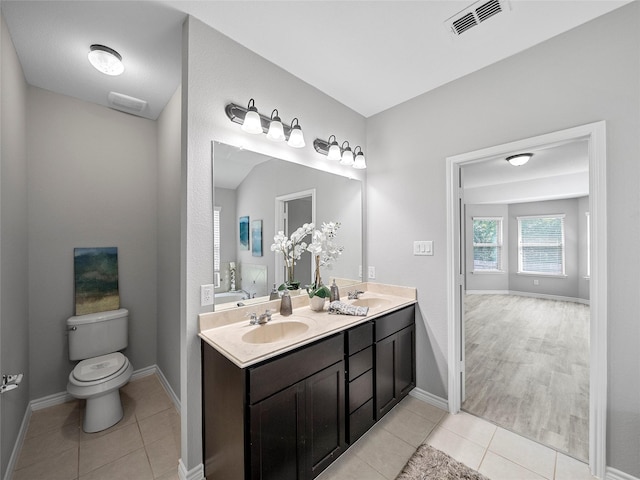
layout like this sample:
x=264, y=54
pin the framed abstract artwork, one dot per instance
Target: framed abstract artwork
x=95, y=273
x=244, y=233
x=256, y=238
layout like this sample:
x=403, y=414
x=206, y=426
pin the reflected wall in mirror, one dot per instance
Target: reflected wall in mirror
x=250, y=184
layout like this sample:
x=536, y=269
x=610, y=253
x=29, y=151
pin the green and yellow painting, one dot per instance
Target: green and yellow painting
x=96, y=279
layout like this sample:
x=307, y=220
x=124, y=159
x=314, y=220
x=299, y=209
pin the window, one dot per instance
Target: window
x=487, y=244
x=541, y=245
x=216, y=239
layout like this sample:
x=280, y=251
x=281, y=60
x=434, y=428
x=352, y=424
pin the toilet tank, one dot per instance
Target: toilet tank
x=97, y=333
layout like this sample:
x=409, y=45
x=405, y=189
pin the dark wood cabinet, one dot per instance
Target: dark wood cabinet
x=290, y=417
x=395, y=374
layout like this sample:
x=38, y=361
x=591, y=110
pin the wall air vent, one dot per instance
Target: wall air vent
x=125, y=103
x=474, y=15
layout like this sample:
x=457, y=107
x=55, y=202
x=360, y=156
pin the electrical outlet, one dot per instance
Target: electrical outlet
x=536, y=282
x=206, y=295
x=372, y=273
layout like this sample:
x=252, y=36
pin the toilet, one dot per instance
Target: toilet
x=96, y=339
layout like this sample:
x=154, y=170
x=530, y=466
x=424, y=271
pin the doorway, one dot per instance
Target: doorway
x=594, y=135
x=292, y=211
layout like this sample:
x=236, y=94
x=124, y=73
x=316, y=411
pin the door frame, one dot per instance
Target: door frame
x=595, y=134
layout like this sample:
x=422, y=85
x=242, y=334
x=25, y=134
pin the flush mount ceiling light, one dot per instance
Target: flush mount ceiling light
x=254, y=122
x=106, y=60
x=333, y=151
x=519, y=159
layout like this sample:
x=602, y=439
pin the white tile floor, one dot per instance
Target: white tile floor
x=145, y=444
x=493, y=451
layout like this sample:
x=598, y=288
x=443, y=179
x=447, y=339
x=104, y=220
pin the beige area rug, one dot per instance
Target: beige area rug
x=427, y=463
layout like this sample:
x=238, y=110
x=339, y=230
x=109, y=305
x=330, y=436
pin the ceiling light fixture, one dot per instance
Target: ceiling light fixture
x=276, y=132
x=106, y=60
x=519, y=159
x=359, y=162
x=296, y=137
x=254, y=122
x=333, y=151
x=251, y=122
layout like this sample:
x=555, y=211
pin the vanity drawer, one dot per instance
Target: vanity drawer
x=394, y=322
x=360, y=421
x=272, y=376
x=360, y=362
x=359, y=337
x=360, y=390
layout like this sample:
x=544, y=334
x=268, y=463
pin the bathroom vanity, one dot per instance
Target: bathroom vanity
x=288, y=405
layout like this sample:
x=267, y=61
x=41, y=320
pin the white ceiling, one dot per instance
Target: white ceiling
x=369, y=55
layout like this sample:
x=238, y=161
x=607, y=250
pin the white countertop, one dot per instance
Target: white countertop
x=225, y=330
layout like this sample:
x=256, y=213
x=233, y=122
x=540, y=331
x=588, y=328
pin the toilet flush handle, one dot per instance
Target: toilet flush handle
x=72, y=329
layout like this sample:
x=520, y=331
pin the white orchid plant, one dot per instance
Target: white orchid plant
x=325, y=253
x=291, y=249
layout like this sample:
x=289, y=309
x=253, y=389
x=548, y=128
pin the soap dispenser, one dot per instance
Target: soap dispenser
x=274, y=293
x=335, y=292
x=285, y=304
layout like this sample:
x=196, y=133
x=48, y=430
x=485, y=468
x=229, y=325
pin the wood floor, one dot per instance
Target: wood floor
x=527, y=368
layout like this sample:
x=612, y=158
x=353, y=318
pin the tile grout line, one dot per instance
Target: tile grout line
x=484, y=455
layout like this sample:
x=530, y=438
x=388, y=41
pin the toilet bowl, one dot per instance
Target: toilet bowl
x=96, y=340
x=98, y=380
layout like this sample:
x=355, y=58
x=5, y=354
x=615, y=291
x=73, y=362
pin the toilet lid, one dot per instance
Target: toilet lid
x=99, y=367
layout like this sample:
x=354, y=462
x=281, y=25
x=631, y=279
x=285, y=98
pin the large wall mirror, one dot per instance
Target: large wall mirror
x=255, y=196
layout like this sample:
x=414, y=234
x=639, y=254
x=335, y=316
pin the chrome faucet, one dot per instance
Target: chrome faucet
x=354, y=295
x=260, y=320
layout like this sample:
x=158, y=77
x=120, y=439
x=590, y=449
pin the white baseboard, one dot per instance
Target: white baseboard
x=13, y=459
x=165, y=383
x=196, y=473
x=430, y=398
x=613, y=474
x=544, y=296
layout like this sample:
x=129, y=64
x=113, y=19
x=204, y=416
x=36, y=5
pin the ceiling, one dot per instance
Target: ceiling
x=369, y=55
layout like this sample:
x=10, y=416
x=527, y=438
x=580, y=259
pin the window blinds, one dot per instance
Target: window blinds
x=541, y=245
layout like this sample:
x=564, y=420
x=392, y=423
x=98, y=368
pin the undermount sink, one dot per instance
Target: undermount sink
x=371, y=302
x=274, y=332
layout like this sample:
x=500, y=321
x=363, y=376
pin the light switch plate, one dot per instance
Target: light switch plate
x=423, y=247
x=372, y=273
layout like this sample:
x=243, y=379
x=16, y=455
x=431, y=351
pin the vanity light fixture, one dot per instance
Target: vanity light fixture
x=254, y=122
x=360, y=162
x=347, y=154
x=519, y=159
x=251, y=122
x=105, y=60
x=334, y=149
x=296, y=137
x=276, y=132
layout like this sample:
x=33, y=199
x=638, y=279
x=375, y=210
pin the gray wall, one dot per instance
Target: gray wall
x=92, y=182
x=589, y=74
x=168, y=238
x=14, y=339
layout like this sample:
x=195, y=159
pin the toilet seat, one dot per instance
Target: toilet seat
x=98, y=370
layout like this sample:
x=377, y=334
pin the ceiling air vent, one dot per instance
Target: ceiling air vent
x=474, y=15
x=126, y=103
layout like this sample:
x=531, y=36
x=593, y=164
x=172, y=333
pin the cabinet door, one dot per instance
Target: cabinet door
x=277, y=426
x=395, y=369
x=385, y=375
x=325, y=418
